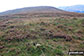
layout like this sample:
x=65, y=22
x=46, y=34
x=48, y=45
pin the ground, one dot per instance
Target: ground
x=41, y=36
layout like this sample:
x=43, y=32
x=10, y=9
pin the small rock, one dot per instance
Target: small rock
x=37, y=45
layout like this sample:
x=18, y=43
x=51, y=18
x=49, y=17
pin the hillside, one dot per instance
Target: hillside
x=75, y=8
x=42, y=31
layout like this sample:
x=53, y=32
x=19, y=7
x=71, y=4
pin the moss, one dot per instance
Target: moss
x=59, y=52
x=59, y=47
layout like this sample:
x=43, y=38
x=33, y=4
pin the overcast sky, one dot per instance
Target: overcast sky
x=13, y=4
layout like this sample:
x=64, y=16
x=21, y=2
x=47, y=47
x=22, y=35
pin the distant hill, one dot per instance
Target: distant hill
x=75, y=8
x=32, y=9
x=39, y=11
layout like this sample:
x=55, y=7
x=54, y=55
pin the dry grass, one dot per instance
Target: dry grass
x=18, y=37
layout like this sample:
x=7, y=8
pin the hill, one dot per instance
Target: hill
x=37, y=11
x=41, y=31
x=32, y=10
x=75, y=8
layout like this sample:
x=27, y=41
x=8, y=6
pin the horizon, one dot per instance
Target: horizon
x=16, y=4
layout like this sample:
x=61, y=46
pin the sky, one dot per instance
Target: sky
x=14, y=4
